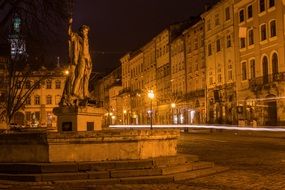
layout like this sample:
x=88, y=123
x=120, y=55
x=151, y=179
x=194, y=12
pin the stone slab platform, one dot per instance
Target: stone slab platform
x=115, y=144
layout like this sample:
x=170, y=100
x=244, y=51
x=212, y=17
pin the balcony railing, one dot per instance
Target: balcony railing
x=259, y=82
x=195, y=94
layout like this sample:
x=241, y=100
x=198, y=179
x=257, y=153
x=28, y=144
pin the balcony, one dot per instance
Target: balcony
x=195, y=94
x=266, y=81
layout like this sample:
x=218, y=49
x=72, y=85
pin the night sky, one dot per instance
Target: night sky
x=120, y=26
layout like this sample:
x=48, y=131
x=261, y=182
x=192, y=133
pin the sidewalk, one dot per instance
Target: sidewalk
x=242, y=132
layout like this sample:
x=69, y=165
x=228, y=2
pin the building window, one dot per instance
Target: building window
x=230, y=73
x=208, y=25
x=28, y=84
x=37, y=100
x=250, y=37
x=271, y=3
x=241, y=16
x=49, y=99
x=229, y=42
x=227, y=13
x=263, y=32
x=57, y=99
x=242, y=42
x=18, y=84
x=57, y=84
x=28, y=101
x=249, y=12
x=261, y=5
x=265, y=69
x=252, y=69
x=219, y=78
x=244, y=76
x=217, y=20
x=218, y=45
x=274, y=64
x=209, y=49
x=37, y=85
x=272, y=28
x=28, y=116
x=48, y=84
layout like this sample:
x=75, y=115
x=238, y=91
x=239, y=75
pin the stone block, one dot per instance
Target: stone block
x=135, y=173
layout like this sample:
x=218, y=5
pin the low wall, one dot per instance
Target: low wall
x=115, y=144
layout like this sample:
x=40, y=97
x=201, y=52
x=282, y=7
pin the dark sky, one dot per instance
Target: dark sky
x=119, y=26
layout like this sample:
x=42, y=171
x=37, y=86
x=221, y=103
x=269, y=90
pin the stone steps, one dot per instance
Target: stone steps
x=157, y=170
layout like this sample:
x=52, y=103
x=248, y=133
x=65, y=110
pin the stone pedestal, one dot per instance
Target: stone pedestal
x=88, y=146
x=85, y=118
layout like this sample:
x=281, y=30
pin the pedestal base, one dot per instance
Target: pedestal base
x=84, y=118
x=87, y=146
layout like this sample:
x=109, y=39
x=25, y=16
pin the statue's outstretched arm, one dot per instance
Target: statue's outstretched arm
x=70, y=26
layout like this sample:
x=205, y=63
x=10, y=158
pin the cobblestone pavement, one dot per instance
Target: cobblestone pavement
x=256, y=163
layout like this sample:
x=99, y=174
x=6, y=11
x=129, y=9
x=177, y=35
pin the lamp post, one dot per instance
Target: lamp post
x=150, y=95
x=124, y=112
x=173, y=105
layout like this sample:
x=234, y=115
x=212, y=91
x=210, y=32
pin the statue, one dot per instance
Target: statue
x=76, y=87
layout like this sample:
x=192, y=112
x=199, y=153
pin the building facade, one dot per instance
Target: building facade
x=220, y=63
x=224, y=68
x=260, y=63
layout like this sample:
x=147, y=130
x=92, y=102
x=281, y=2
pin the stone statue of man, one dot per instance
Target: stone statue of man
x=80, y=65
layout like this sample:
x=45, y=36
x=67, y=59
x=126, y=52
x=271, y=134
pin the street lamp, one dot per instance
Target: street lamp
x=173, y=105
x=150, y=95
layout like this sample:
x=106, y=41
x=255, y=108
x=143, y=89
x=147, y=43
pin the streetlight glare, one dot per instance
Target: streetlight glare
x=66, y=72
x=150, y=94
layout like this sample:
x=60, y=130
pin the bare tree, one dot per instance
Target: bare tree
x=20, y=84
x=40, y=18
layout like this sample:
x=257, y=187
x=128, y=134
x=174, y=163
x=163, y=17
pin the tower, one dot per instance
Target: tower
x=16, y=39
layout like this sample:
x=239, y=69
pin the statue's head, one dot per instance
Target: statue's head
x=84, y=30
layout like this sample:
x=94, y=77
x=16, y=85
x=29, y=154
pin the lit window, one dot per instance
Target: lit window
x=48, y=84
x=28, y=101
x=37, y=100
x=57, y=84
x=49, y=99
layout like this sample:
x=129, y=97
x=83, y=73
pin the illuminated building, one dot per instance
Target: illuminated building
x=220, y=63
x=38, y=109
x=259, y=26
x=195, y=73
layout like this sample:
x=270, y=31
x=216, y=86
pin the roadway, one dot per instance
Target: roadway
x=256, y=160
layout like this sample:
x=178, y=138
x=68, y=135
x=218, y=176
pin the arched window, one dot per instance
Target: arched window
x=265, y=69
x=273, y=31
x=275, y=65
